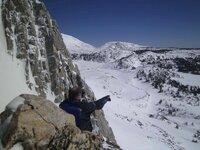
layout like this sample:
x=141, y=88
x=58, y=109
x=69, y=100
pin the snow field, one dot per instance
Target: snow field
x=128, y=112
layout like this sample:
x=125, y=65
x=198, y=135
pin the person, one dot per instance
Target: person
x=82, y=109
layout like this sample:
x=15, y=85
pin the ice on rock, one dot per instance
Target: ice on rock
x=17, y=146
x=3, y=128
x=15, y=103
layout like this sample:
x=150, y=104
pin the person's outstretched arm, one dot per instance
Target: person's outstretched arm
x=101, y=102
x=92, y=106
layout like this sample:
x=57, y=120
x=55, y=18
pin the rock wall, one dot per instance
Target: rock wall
x=33, y=37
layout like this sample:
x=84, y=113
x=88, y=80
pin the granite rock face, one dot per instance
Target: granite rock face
x=38, y=123
x=33, y=37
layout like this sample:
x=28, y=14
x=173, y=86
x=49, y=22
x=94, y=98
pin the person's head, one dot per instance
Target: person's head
x=75, y=92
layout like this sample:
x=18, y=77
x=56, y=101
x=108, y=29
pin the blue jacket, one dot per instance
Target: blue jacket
x=82, y=110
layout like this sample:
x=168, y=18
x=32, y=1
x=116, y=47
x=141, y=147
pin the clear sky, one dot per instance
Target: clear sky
x=160, y=23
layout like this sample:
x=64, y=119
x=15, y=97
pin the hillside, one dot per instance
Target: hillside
x=76, y=45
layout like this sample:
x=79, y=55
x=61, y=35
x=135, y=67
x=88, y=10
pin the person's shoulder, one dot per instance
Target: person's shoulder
x=66, y=100
x=83, y=103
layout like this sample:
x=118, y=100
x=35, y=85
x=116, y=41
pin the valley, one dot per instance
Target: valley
x=155, y=96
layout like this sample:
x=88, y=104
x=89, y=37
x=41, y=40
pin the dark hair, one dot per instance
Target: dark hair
x=74, y=92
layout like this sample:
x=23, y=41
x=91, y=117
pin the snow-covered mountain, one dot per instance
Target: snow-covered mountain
x=77, y=46
x=110, y=51
x=155, y=94
x=117, y=45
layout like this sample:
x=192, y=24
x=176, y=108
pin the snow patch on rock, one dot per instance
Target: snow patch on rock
x=17, y=146
x=15, y=103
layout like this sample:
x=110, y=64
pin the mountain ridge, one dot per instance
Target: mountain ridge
x=112, y=45
x=76, y=45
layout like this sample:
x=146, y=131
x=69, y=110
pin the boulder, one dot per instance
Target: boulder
x=37, y=123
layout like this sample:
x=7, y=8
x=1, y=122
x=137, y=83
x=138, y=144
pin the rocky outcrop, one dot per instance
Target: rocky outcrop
x=34, y=38
x=37, y=123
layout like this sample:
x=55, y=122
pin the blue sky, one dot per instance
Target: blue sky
x=160, y=23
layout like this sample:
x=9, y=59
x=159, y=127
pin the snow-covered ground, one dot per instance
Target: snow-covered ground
x=188, y=79
x=132, y=103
